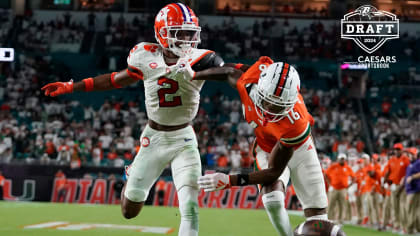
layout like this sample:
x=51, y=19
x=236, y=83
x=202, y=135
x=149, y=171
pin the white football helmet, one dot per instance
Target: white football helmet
x=277, y=91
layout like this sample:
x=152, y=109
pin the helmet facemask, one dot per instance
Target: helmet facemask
x=271, y=108
x=182, y=39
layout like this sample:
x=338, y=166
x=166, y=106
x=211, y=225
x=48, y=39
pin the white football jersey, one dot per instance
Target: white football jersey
x=170, y=100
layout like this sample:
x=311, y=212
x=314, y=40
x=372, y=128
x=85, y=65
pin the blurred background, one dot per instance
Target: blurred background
x=81, y=137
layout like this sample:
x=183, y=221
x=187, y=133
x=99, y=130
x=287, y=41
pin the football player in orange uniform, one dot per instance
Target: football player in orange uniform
x=284, y=148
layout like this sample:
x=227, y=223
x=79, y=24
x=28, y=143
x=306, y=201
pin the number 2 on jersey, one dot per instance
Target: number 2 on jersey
x=176, y=100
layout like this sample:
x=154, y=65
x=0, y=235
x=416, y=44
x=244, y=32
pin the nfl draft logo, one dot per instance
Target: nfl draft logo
x=369, y=27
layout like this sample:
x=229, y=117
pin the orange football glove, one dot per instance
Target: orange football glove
x=58, y=88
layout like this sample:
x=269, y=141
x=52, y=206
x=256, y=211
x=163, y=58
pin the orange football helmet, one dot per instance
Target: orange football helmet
x=176, y=28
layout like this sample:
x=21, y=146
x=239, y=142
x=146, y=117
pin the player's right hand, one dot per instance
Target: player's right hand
x=183, y=67
x=214, y=182
x=58, y=88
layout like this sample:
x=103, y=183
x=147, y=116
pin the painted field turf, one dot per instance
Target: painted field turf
x=14, y=216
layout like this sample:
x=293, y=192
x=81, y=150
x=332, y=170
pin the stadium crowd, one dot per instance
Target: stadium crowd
x=62, y=130
x=317, y=41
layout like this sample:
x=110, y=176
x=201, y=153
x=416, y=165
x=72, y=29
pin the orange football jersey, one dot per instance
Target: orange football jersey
x=292, y=130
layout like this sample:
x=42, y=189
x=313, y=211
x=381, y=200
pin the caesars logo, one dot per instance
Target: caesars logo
x=370, y=28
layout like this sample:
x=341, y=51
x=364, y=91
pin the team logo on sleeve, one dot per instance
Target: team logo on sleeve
x=369, y=27
x=153, y=65
x=145, y=141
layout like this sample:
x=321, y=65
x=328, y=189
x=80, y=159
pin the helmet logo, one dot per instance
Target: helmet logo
x=163, y=15
x=262, y=67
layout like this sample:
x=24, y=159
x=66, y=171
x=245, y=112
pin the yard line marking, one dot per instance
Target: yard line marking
x=46, y=225
x=62, y=225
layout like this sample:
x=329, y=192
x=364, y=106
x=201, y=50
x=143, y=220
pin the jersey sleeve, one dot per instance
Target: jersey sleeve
x=296, y=135
x=209, y=59
x=136, y=68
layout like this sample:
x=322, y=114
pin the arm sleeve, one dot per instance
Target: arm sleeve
x=208, y=61
x=135, y=61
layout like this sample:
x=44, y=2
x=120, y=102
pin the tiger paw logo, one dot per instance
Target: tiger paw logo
x=150, y=48
x=369, y=27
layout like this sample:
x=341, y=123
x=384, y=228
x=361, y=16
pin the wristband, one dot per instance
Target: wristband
x=238, y=66
x=242, y=180
x=88, y=84
x=114, y=84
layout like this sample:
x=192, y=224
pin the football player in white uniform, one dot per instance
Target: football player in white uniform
x=172, y=100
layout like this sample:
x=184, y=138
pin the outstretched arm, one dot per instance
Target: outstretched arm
x=279, y=157
x=99, y=83
x=228, y=74
x=239, y=66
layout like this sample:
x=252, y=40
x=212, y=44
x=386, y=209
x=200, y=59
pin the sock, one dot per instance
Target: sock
x=188, y=208
x=274, y=206
x=318, y=217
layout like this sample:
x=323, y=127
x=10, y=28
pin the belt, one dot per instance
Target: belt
x=160, y=127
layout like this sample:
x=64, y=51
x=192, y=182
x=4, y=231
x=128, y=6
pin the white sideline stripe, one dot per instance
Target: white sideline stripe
x=46, y=225
x=68, y=226
x=75, y=227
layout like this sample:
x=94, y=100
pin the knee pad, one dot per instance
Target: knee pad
x=135, y=195
x=273, y=197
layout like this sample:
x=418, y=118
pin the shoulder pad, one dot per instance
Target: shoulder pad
x=207, y=60
x=142, y=50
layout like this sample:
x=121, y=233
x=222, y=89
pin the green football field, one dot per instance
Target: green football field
x=27, y=218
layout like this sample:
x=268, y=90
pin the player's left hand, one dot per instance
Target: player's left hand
x=58, y=88
x=183, y=67
x=214, y=182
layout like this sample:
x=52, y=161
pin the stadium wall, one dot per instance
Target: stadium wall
x=37, y=183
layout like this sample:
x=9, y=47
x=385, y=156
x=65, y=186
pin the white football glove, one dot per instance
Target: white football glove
x=214, y=182
x=183, y=67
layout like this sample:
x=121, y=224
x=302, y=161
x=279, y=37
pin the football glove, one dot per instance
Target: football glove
x=58, y=88
x=214, y=182
x=183, y=67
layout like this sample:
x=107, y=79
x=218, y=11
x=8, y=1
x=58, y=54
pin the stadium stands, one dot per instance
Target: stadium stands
x=77, y=131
